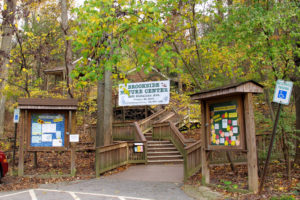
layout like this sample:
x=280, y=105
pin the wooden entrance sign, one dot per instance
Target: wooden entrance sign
x=227, y=121
x=46, y=126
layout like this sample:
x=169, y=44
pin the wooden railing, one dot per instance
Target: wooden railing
x=189, y=151
x=146, y=123
x=115, y=155
x=192, y=161
x=123, y=131
x=110, y=157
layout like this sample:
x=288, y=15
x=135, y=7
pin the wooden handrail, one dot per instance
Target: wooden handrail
x=177, y=133
x=152, y=116
x=192, y=147
x=111, y=147
x=139, y=132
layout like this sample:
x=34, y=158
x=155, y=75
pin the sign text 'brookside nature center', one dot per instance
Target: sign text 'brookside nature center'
x=144, y=93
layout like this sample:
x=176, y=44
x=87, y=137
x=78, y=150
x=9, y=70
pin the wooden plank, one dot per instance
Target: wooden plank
x=112, y=147
x=73, y=151
x=204, y=160
x=21, y=144
x=251, y=144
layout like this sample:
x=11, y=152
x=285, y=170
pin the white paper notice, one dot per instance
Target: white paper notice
x=226, y=134
x=49, y=128
x=224, y=123
x=36, y=139
x=74, y=138
x=36, y=129
x=58, y=134
x=233, y=138
x=47, y=137
x=222, y=140
x=234, y=122
x=57, y=143
x=235, y=130
x=217, y=126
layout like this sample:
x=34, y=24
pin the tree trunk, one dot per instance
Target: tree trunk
x=104, y=113
x=100, y=114
x=68, y=45
x=107, y=120
x=8, y=17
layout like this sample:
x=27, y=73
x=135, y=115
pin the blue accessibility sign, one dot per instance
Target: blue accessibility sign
x=282, y=93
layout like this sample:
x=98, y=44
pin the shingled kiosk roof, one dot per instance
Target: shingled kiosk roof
x=48, y=104
x=237, y=88
x=58, y=70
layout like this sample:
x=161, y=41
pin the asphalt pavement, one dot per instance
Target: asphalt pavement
x=141, y=182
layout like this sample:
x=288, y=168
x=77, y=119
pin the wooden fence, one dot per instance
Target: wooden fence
x=122, y=153
x=189, y=151
x=123, y=131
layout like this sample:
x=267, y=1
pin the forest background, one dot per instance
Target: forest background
x=201, y=44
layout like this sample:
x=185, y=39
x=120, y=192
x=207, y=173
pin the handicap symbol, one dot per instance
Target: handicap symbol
x=282, y=94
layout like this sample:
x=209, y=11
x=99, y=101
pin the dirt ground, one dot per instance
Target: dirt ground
x=234, y=185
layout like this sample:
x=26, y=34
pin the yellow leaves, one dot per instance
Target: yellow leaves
x=84, y=83
x=5, y=7
x=29, y=34
x=24, y=70
x=206, y=76
x=114, y=76
x=38, y=19
x=125, y=81
x=16, y=25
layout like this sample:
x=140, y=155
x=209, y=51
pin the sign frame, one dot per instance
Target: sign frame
x=47, y=148
x=16, y=115
x=240, y=124
x=145, y=93
x=282, y=92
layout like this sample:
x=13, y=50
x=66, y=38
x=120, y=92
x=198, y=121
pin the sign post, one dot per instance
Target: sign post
x=282, y=95
x=16, y=121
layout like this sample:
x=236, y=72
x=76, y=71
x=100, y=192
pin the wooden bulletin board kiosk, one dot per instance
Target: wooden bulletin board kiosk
x=227, y=121
x=46, y=126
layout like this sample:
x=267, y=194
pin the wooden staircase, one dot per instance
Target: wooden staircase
x=162, y=152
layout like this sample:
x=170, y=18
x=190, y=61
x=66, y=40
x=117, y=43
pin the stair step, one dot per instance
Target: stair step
x=159, y=142
x=166, y=149
x=175, y=161
x=160, y=145
x=163, y=152
x=164, y=157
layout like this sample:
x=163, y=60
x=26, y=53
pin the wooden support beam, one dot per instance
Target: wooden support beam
x=204, y=157
x=35, y=160
x=73, y=151
x=21, y=144
x=251, y=143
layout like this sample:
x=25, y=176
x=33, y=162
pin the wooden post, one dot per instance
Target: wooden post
x=73, y=151
x=97, y=162
x=251, y=143
x=204, y=158
x=73, y=158
x=15, y=144
x=21, y=145
x=35, y=160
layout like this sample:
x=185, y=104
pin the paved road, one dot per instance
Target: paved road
x=121, y=186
